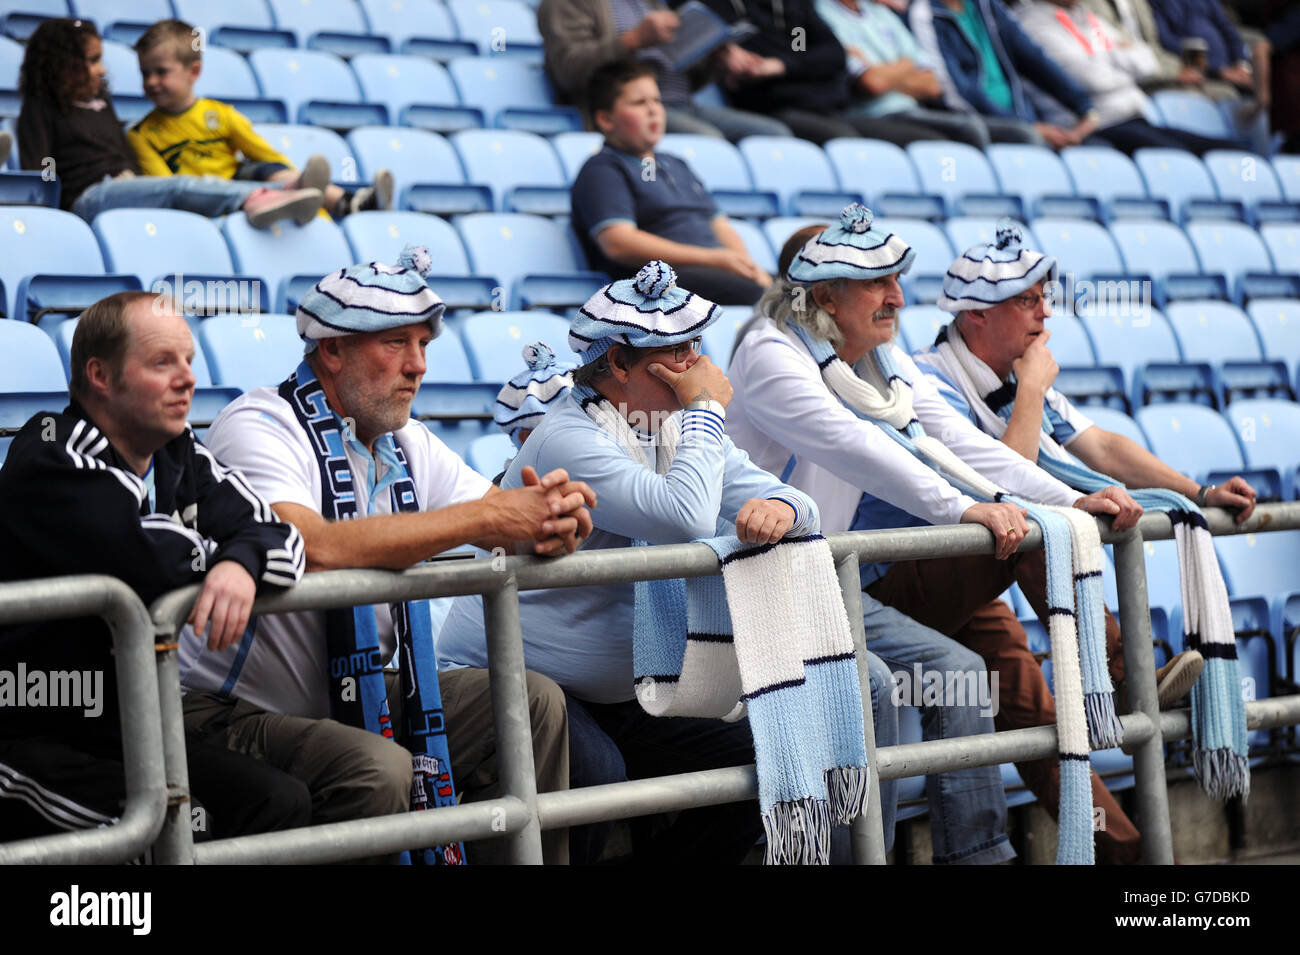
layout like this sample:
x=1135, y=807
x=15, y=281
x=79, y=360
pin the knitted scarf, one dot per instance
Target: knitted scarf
x=1085, y=704
x=771, y=638
x=358, y=696
x=1220, y=748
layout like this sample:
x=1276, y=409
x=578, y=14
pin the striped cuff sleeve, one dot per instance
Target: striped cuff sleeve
x=801, y=514
x=699, y=420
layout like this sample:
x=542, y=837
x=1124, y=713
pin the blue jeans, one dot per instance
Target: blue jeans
x=968, y=809
x=208, y=196
x=732, y=124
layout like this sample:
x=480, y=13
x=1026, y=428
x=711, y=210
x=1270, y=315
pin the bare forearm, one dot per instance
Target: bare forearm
x=1026, y=424
x=1133, y=465
x=635, y=247
x=727, y=235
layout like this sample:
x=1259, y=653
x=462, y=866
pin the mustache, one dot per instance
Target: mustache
x=888, y=311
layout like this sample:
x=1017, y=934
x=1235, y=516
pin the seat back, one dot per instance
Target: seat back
x=28, y=234
x=952, y=170
x=226, y=75
x=412, y=155
x=574, y=149
x=1084, y=248
x=380, y=236
x=318, y=16
x=153, y=243
x=507, y=158
x=1029, y=172
x=1277, y=320
x=757, y=245
x=28, y=360
x=1190, y=438
x=872, y=166
x=1241, y=175
x=250, y=351
x=1102, y=172
x=786, y=166
x=495, y=25
x=495, y=83
x=1269, y=431
x=397, y=81
x=1283, y=242
x=493, y=341
x=1154, y=248
x=1229, y=247
x=965, y=232
x=1192, y=112
x=1175, y=176
x=286, y=250
x=511, y=246
x=297, y=76
x=715, y=162
x=1213, y=331
x=919, y=324
x=299, y=142
x=1110, y=419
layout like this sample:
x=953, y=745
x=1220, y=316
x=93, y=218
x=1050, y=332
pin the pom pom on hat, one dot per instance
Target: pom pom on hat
x=416, y=257
x=655, y=279
x=856, y=218
x=371, y=297
x=851, y=249
x=527, y=396
x=1009, y=235
x=648, y=311
x=987, y=275
x=538, y=355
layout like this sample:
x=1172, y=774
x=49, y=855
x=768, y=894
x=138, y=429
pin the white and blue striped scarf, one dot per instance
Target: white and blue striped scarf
x=770, y=637
x=1085, y=702
x=1220, y=748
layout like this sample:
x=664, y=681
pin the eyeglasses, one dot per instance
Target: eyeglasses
x=1030, y=300
x=683, y=350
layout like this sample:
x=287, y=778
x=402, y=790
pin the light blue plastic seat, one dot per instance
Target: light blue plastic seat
x=426, y=169
x=934, y=254
x=299, y=142
x=521, y=168
x=490, y=454
x=760, y=250
x=1161, y=250
x=1110, y=419
x=1132, y=340
x=513, y=94
x=380, y=237
x=418, y=27
x=1182, y=180
x=493, y=341
x=797, y=171
x=117, y=21
x=338, y=26
x=1112, y=178
x=242, y=25
x=1277, y=320
x=11, y=61
x=721, y=168
x=1269, y=431
x=445, y=360
x=720, y=337
x=1221, y=335
x=1287, y=170
x=1191, y=112
x=883, y=173
x=124, y=82
x=965, y=232
x=417, y=92
x=962, y=175
x=28, y=360
x=289, y=256
x=1191, y=438
x=920, y=324
x=1283, y=242
x=778, y=229
x=574, y=149
x=497, y=26
x=1082, y=248
x=532, y=256
x=1250, y=179
x=250, y=351
x=227, y=77
x=21, y=20
x=1038, y=177
x=317, y=87
x=1238, y=251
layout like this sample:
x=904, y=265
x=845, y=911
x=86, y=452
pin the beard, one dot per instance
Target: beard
x=373, y=414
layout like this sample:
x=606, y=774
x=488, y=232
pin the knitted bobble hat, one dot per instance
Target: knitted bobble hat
x=851, y=249
x=371, y=298
x=986, y=275
x=648, y=311
x=526, y=397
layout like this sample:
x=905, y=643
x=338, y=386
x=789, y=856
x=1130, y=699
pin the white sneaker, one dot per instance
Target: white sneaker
x=378, y=195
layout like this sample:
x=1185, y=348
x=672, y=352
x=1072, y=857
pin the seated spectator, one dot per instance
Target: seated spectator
x=985, y=55
x=116, y=484
x=813, y=401
x=1082, y=45
x=894, y=76
x=992, y=364
x=580, y=36
x=1226, y=55
x=188, y=136
x=283, y=692
x=1133, y=26
x=67, y=126
x=631, y=204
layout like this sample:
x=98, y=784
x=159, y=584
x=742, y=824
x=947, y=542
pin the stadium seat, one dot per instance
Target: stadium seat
x=381, y=236
x=115, y=21
x=28, y=189
x=920, y=324
x=1114, y=180
x=299, y=142
x=720, y=337
x=1038, y=177
x=965, y=232
x=521, y=168
x=418, y=27
x=924, y=280
x=1283, y=242
x=1238, y=251
x=1109, y=419
x=250, y=351
x=1143, y=346
x=206, y=402
x=445, y=360
x=1269, y=432
x=757, y=245
x=513, y=94
x=1183, y=181
x=532, y=256
x=28, y=360
x=1263, y=565
x=124, y=82
x=242, y=25
x=426, y=169
x=860, y=162
x=1285, y=167
x=962, y=175
x=1249, y=179
x=49, y=260
x=162, y=247
x=1277, y=320
x=19, y=20
x=1220, y=334
x=416, y=91
x=1193, y=439
x=490, y=454
x=574, y=149
x=317, y=87
x=493, y=341
x=11, y=61
x=498, y=26
x=1080, y=377
x=337, y=26
x=1192, y=112
x=1083, y=249
x=1162, y=251
x=721, y=168
x=291, y=257
x=228, y=77
x=797, y=171
x=778, y=229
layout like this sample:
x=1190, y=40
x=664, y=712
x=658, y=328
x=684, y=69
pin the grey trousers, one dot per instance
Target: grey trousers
x=352, y=773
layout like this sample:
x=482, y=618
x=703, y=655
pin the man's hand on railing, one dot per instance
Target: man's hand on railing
x=552, y=511
x=1008, y=522
x=225, y=602
x=1235, y=494
x=1114, y=502
x=763, y=521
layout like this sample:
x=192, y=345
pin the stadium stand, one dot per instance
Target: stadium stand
x=317, y=88
x=512, y=93
x=531, y=256
x=228, y=77
x=798, y=172
x=427, y=172
x=722, y=169
x=492, y=341
x=520, y=167
x=290, y=257
x=416, y=91
x=963, y=177
x=1039, y=178
x=338, y=26
x=243, y=25
x=118, y=22
x=418, y=27
x=1114, y=180
x=250, y=351
x=1184, y=183
x=859, y=161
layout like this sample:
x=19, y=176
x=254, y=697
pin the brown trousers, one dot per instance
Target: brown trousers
x=958, y=597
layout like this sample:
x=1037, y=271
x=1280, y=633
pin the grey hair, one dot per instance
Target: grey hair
x=787, y=303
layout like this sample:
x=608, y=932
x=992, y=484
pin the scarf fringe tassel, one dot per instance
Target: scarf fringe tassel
x=846, y=789
x=1104, y=728
x=798, y=833
x=1222, y=773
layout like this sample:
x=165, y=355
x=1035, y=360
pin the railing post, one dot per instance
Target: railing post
x=175, y=843
x=510, y=714
x=1139, y=670
x=867, y=831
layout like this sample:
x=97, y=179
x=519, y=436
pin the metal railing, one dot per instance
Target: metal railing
x=520, y=814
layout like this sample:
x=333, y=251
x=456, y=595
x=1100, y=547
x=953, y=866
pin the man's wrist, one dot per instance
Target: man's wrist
x=706, y=402
x=1203, y=494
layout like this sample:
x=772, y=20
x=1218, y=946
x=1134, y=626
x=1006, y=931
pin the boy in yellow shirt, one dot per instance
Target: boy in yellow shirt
x=188, y=135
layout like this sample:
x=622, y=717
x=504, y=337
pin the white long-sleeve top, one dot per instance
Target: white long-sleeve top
x=783, y=409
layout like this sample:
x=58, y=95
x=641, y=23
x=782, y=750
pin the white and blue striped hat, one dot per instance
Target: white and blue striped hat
x=527, y=396
x=371, y=298
x=850, y=250
x=986, y=275
x=648, y=311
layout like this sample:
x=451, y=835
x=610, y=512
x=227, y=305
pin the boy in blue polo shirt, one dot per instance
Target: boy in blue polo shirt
x=632, y=205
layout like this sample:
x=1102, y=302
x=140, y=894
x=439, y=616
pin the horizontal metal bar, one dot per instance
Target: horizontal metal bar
x=1260, y=715
x=640, y=797
x=379, y=835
